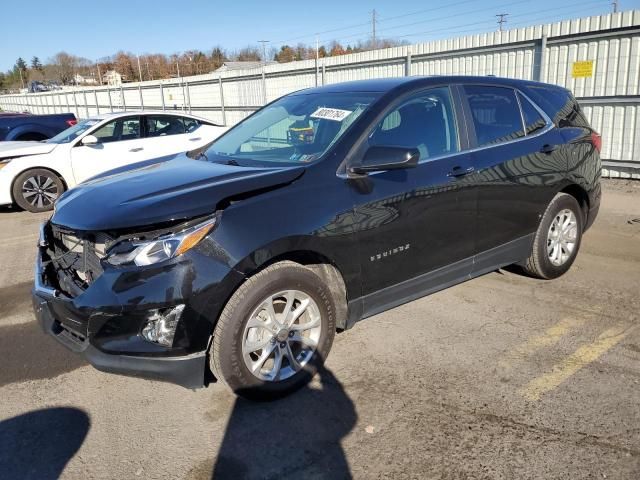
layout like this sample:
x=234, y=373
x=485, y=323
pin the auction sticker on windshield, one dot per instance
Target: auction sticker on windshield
x=334, y=114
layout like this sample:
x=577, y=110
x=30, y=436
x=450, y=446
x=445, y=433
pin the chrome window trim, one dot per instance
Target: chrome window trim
x=524, y=125
x=549, y=126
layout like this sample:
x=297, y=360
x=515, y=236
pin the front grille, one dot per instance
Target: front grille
x=76, y=257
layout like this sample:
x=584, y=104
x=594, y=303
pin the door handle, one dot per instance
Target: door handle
x=195, y=139
x=460, y=172
x=548, y=148
x=137, y=149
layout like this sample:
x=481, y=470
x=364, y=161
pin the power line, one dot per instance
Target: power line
x=428, y=10
x=489, y=22
x=386, y=29
x=431, y=20
x=349, y=27
x=456, y=27
x=373, y=28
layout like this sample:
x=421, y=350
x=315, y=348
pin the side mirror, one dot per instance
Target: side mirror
x=89, y=140
x=387, y=158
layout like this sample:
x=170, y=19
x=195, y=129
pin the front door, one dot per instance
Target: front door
x=415, y=226
x=119, y=144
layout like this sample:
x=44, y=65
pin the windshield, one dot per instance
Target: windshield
x=74, y=132
x=295, y=129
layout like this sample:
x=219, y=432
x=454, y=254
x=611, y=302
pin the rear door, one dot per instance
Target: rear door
x=119, y=144
x=415, y=226
x=518, y=167
x=170, y=134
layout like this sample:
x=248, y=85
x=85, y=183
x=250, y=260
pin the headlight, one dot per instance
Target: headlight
x=148, y=252
x=4, y=163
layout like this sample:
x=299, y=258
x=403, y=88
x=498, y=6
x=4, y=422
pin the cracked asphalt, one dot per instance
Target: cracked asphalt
x=503, y=376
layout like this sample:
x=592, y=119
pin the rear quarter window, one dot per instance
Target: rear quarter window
x=560, y=106
x=533, y=120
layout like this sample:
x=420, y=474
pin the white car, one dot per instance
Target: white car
x=34, y=174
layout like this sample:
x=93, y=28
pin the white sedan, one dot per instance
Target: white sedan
x=34, y=174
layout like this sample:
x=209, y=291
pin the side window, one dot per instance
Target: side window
x=560, y=105
x=533, y=121
x=495, y=112
x=119, y=130
x=190, y=124
x=163, y=125
x=426, y=121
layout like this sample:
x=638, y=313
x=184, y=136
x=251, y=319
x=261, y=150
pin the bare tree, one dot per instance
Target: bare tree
x=63, y=67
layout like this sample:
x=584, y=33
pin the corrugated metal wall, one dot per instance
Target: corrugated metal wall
x=610, y=97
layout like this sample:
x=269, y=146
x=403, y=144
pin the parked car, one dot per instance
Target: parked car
x=327, y=206
x=25, y=126
x=33, y=174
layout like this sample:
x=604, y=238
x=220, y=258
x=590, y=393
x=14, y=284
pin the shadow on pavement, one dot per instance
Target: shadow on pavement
x=9, y=209
x=28, y=353
x=38, y=444
x=298, y=436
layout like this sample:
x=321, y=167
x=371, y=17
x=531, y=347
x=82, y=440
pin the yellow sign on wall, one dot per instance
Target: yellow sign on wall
x=582, y=69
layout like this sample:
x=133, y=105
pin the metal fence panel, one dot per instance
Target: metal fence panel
x=541, y=52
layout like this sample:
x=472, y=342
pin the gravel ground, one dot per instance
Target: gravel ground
x=500, y=377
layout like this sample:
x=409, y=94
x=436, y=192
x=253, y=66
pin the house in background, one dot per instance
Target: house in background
x=84, y=79
x=112, y=78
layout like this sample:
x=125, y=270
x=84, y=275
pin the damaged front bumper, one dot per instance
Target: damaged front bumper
x=104, y=323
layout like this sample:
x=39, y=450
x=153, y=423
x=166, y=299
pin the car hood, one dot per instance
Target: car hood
x=179, y=188
x=23, y=149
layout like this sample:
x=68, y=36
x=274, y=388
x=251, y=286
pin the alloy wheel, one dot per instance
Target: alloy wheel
x=562, y=237
x=281, y=335
x=40, y=191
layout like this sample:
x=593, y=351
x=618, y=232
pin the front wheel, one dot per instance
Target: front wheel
x=558, y=238
x=274, y=333
x=37, y=190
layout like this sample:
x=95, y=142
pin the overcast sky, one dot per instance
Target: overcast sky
x=94, y=30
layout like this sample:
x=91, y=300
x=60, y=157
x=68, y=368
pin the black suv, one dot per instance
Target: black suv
x=239, y=261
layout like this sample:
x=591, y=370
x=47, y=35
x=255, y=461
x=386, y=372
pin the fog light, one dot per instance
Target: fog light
x=161, y=325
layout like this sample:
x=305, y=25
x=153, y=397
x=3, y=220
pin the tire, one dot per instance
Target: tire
x=552, y=253
x=233, y=365
x=36, y=190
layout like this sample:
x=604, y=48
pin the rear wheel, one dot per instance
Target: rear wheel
x=37, y=190
x=274, y=333
x=558, y=238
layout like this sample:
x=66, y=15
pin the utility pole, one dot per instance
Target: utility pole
x=139, y=69
x=317, y=60
x=614, y=4
x=373, y=28
x=264, y=73
x=99, y=76
x=264, y=50
x=501, y=19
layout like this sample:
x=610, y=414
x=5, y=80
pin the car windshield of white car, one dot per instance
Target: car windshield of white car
x=295, y=129
x=74, y=132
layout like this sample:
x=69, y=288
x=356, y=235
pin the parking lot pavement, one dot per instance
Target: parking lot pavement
x=501, y=377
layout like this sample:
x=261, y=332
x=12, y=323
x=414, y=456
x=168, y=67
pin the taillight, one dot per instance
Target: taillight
x=596, y=139
x=71, y=123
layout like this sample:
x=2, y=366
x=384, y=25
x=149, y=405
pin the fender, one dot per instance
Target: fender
x=304, y=249
x=30, y=128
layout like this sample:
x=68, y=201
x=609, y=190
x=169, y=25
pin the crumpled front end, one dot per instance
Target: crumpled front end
x=152, y=322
